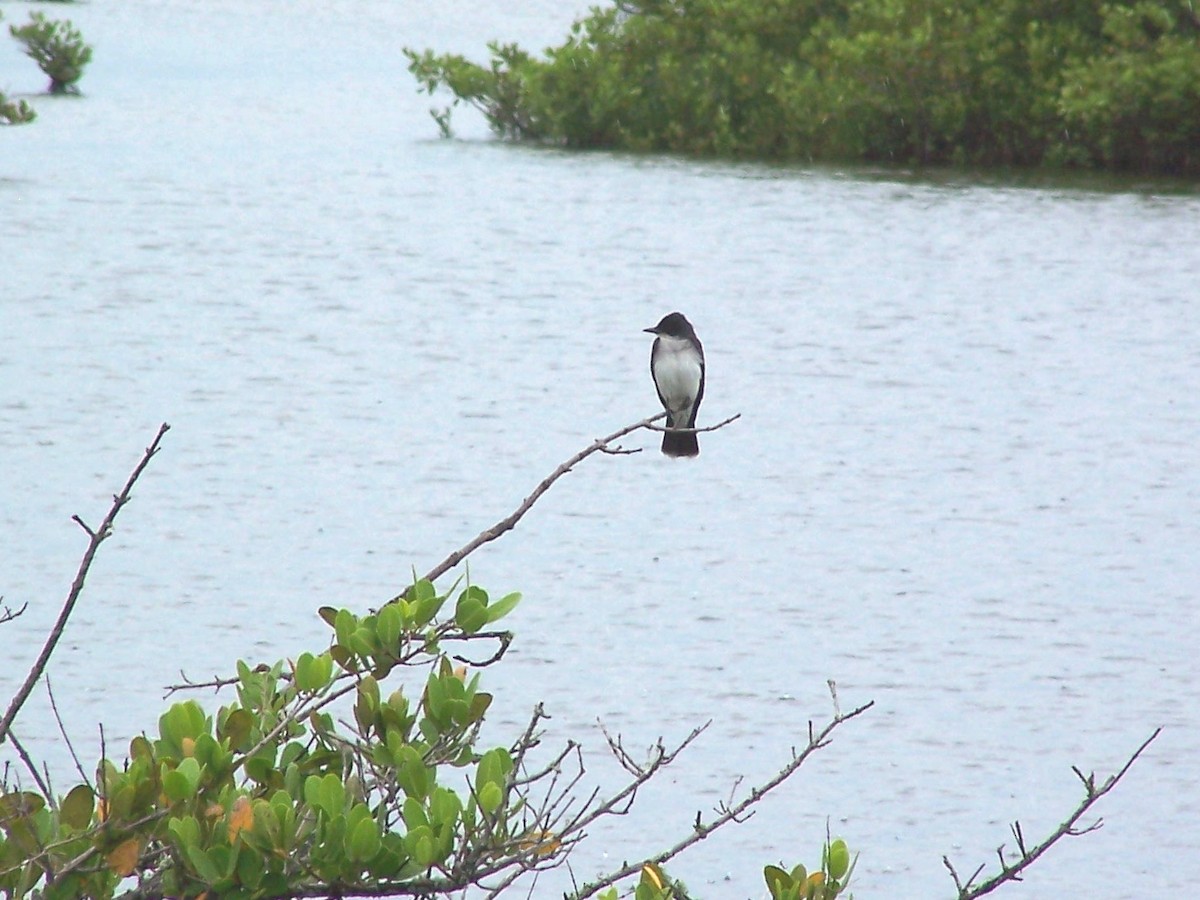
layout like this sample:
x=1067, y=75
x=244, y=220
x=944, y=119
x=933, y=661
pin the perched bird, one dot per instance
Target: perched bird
x=677, y=366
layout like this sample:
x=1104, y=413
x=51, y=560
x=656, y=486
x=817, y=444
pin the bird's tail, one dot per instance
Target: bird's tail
x=680, y=444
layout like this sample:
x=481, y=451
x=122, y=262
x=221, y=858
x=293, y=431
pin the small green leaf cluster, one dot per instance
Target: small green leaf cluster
x=272, y=795
x=15, y=112
x=825, y=883
x=58, y=49
x=1089, y=82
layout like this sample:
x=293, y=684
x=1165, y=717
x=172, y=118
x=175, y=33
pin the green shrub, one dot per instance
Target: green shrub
x=58, y=49
x=998, y=82
x=15, y=112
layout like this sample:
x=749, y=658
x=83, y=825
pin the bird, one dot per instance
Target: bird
x=677, y=367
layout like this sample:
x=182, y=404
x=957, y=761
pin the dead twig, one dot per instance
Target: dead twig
x=600, y=445
x=727, y=812
x=7, y=615
x=509, y=522
x=719, y=425
x=95, y=538
x=968, y=890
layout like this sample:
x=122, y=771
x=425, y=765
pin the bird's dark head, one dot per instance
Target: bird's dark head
x=673, y=325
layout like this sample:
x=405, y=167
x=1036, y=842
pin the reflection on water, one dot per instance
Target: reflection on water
x=964, y=483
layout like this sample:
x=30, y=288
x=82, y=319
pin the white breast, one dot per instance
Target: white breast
x=677, y=374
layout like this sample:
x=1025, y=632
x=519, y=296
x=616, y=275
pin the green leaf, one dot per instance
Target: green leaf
x=344, y=625
x=838, y=859
x=20, y=804
x=491, y=795
x=494, y=766
x=502, y=607
x=180, y=782
x=184, y=720
x=389, y=626
x=204, y=866
x=777, y=881
x=470, y=614
x=140, y=748
x=77, y=807
x=423, y=850
x=344, y=657
x=250, y=869
x=444, y=808
x=260, y=768
x=479, y=706
x=366, y=706
x=211, y=756
x=331, y=795
x=236, y=729
x=185, y=830
x=363, y=841
x=304, y=673
x=363, y=641
x=414, y=815
x=435, y=698
x=414, y=777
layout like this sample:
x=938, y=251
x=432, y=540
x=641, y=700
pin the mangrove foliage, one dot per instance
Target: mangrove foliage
x=1087, y=83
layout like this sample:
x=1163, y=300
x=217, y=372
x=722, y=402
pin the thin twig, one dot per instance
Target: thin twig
x=509, y=522
x=96, y=538
x=968, y=890
x=66, y=739
x=8, y=614
x=31, y=766
x=722, y=424
x=734, y=813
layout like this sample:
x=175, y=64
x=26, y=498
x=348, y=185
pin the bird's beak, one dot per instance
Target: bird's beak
x=650, y=330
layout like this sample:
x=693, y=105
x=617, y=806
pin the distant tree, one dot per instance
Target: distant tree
x=58, y=49
x=14, y=113
x=1087, y=82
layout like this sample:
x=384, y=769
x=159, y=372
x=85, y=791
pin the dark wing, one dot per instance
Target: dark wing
x=700, y=393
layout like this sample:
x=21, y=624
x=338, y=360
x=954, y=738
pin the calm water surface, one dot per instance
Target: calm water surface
x=964, y=485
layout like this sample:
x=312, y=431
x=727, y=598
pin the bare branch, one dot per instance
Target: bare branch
x=719, y=425
x=968, y=890
x=31, y=767
x=509, y=522
x=66, y=738
x=96, y=537
x=216, y=683
x=7, y=615
x=728, y=813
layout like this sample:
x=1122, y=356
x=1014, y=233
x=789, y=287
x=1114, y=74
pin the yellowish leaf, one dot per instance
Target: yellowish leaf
x=460, y=673
x=188, y=745
x=241, y=816
x=122, y=859
x=650, y=873
x=541, y=843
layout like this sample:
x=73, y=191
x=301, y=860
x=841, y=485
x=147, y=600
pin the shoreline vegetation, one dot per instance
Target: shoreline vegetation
x=358, y=770
x=1072, y=84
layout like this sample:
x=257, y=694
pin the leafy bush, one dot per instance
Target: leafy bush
x=314, y=782
x=15, y=112
x=58, y=49
x=997, y=82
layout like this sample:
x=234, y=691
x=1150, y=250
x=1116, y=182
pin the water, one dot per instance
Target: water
x=963, y=485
